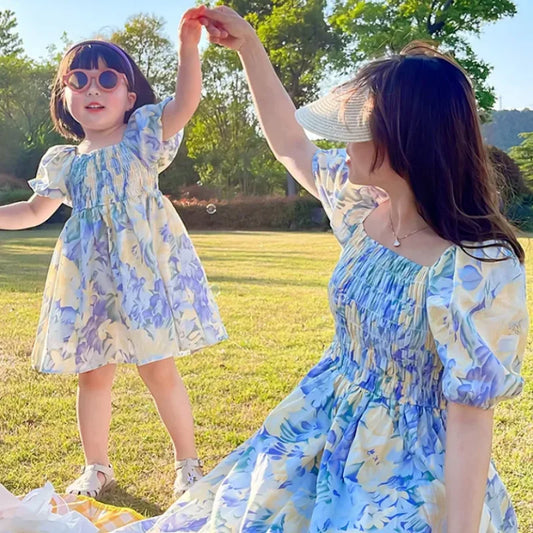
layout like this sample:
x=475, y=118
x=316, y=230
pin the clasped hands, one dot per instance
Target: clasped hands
x=224, y=26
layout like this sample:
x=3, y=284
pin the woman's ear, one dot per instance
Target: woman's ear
x=132, y=98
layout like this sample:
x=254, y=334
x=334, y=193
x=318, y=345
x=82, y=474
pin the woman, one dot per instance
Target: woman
x=391, y=430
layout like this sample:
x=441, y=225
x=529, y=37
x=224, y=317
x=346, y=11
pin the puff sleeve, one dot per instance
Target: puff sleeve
x=53, y=171
x=478, y=316
x=345, y=204
x=144, y=134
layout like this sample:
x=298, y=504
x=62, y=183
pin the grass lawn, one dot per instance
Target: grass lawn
x=272, y=295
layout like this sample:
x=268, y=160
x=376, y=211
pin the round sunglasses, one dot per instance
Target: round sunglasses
x=107, y=80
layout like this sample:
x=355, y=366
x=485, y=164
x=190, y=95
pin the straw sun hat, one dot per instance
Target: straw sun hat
x=341, y=115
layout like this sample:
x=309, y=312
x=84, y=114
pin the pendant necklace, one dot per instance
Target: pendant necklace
x=398, y=238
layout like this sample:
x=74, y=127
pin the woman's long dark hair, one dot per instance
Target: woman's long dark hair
x=425, y=119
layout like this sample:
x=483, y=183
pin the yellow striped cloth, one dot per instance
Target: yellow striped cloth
x=104, y=517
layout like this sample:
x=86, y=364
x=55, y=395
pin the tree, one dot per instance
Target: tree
x=510, y=180
x=10, y=42
x=523, y=156
x=56, y=52
x=299, y=41
x=378, y=27
x=25, y=126
x=223, y=138
x=144, y=39
x=24, y=114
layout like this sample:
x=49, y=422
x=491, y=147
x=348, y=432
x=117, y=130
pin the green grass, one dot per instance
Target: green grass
x=274, y=303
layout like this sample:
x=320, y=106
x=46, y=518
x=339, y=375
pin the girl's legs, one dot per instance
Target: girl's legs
x=94, y=413
x=172, y=401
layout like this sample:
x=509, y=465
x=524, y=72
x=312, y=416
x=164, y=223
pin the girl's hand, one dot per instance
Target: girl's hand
x=190, y=28
x=226, y=27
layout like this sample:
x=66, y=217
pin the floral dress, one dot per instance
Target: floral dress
x=359, y=445
x=125, y=284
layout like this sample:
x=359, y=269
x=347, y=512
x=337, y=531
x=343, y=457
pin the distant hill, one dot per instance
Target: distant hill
x=505, y=126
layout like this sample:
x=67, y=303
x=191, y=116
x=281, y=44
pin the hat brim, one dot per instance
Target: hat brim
x=338, y=116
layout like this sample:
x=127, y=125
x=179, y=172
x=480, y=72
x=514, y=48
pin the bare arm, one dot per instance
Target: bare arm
x=189, y=78
x=274, y=108
x=468, y=451
x=22, y=215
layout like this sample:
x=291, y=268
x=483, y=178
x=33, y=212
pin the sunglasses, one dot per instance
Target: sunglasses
x=107, y=80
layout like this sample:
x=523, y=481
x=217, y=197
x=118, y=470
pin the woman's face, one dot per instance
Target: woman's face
x=360, y=159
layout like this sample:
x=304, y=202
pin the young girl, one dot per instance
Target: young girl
x=125, y=284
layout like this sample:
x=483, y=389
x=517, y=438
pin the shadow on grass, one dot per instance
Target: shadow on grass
x=33, y=267
x=44, y=231
x=30, y=268
x=120, y=497
x=267, y=282
x=30, y=265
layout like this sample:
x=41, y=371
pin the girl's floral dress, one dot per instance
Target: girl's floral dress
x=125, y=284
x=359, y=445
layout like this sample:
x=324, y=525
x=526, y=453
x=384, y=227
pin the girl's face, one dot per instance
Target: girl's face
x=97, y=110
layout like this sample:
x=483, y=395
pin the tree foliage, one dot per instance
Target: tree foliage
x=510, y=179
x=307, y=42
x=10, y=42
x=372, y=28
x=301, y=44
x=25, y=125
x=299, y=41
x=143, y=37
x=523, y=156
x=223, y=138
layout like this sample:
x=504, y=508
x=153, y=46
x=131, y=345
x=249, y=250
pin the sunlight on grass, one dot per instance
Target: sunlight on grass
x=273, y=300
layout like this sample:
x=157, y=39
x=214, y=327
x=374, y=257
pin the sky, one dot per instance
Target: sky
x=507, y=44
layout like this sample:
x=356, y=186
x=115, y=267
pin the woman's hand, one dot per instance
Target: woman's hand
x=227, y=28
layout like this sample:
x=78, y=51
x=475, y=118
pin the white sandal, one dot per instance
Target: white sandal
x=89, y=484
x=188, y=472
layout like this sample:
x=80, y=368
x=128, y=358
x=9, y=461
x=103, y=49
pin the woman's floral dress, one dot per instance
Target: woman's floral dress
x=359, y=445
x=125, y=284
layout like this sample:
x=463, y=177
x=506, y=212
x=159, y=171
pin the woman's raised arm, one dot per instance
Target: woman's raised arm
x=274, y=108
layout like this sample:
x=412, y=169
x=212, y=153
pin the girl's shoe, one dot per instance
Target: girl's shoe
x=89, y=484
x=188, y=472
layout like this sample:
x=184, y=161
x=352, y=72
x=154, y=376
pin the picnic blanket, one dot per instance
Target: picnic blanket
x=45, y=511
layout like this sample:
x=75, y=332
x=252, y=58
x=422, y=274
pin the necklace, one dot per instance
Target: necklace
x=398, y=238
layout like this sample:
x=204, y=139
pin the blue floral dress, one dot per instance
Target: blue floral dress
x=359, y=445
x=125, y=284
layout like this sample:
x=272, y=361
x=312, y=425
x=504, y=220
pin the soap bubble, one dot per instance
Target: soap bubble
x=211, y=209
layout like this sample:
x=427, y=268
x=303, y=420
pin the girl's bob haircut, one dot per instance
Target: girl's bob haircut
x=86, y=55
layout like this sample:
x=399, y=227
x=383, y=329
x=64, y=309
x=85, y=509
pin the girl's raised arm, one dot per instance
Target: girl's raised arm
x=189, y=79
x=275, y=109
